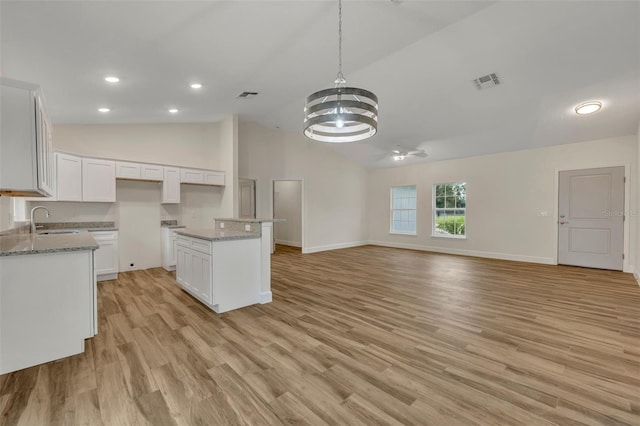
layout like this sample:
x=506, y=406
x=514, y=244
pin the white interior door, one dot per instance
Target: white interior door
x=248, y=198
x=591, y=218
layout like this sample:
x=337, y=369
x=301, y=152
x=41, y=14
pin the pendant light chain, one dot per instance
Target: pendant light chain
x=340, y=76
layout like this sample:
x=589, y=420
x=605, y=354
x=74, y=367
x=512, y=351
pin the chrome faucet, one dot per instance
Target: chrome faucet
x=33, y=223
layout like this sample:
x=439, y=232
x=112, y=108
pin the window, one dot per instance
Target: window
x=403, y=210
x=449, y=210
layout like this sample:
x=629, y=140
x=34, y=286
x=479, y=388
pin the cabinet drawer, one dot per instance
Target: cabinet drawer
x=183, y=241
x=201, y=246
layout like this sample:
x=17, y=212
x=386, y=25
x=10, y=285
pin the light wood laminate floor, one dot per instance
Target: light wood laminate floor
x=360, y=336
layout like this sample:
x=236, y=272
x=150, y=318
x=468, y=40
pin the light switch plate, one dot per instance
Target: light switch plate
x=247, y=227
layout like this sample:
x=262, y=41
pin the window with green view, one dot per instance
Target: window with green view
x=449, y=209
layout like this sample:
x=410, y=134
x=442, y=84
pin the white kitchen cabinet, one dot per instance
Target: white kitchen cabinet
x=127, y=170
x=202, y=177
x=48, y=307
x=168, y=250
x=68, y=177
x=171, y=185
x=223, y=274
x=192, y=176
x=106, y=257
x=139, y=171
x=26, y=156
x=152, y=172
x=214, y=178
x=98, y=180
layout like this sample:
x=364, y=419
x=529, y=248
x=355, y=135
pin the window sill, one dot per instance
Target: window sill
x=453, y=237
x=403, y=233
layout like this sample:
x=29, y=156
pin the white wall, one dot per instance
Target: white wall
x=187, y=145
x=334, y=188
x=287, y=200
x=510, y=198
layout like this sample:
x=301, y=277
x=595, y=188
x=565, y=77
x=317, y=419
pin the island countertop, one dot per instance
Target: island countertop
x=217, y=234
x=249, y=220
x=21, y=244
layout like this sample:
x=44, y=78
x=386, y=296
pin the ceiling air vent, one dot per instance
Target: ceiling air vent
x=487, y=81
x=247, y=95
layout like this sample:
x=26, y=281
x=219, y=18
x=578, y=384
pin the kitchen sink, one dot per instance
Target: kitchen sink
x=59, y=231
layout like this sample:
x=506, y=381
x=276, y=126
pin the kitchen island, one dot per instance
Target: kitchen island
x=221, y=268
x=47, y=297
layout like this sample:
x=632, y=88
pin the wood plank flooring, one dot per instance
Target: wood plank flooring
x=360, y=336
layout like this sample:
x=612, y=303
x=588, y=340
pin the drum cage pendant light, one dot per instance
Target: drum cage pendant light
x=341, y=114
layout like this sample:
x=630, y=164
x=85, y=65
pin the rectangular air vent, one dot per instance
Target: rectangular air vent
x=246, y=95
x=487, y=81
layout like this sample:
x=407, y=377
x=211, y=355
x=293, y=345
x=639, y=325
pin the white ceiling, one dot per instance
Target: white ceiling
x=419, y=57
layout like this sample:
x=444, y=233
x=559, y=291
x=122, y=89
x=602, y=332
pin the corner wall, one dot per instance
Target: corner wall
x=511, y=198
x=334, y=189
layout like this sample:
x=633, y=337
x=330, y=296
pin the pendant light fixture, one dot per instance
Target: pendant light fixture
x=341, y=114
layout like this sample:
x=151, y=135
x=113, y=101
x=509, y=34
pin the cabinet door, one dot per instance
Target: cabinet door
x=126, y=170
x=152, y=172
x=68, y=177
x=214, y=178
x=98, y=180
x=183, y=267
x=43, y=147
x=106, y=257
x=171, y=185
x=191, y=176
x=202, y=276
x=173, y=247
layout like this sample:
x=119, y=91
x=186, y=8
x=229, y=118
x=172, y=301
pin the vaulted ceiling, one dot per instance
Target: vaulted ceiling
x=419, y=57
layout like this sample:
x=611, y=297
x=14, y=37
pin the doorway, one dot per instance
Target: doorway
x=591, y=218
x=247, y=198
x=287, y=204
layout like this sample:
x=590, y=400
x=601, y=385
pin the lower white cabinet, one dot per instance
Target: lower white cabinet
x=48, y=307
x=223, y=274
x=169, y=248
x=106, y=257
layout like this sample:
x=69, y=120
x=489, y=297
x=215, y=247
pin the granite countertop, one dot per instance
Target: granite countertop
x=258, y=220
x=20, y=244
x=217, y=234
x=81, y=226
x=171, y=224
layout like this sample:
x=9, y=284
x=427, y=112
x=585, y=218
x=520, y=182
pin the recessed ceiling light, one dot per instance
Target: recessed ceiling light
x=588, y=107
x=173, y=110
x=104, y=109
x=111, y=79
x=196, y=85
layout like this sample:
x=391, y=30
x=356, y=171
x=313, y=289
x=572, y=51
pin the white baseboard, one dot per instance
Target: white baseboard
x=474, y=253
x=107, y=277
x=288, y=243
x=334, y=246
x=266, y=297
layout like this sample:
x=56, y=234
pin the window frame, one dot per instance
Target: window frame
x=391, y=210
x=434, y=209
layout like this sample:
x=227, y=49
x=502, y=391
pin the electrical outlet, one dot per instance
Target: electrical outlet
x=247, y=227
x=221, y=225
x=132, y=265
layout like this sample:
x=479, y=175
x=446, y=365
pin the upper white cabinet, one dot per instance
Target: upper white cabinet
x=192, y=176
x=201, y=177
x=171, y=185
x=98, y=180
x=128, y=170
x=68, y=177
x=26, y=156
